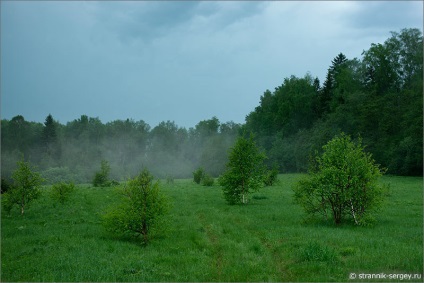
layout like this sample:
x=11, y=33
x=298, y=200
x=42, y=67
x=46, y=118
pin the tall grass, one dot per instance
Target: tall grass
x=208, y=240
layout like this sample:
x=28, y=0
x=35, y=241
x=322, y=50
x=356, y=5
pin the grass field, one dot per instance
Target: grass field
x=208, y=240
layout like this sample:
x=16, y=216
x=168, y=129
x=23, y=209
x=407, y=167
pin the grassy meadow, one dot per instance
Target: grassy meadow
x=208, y=240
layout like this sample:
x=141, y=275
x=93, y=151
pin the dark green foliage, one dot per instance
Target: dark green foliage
x=62, y=191
x=271, y=176
x=101, y=178
x=5, y=185
x=245, y=171
x=141, y=210
x=25, y=189
x=207, y=180
x=198, y=175
x=378, y=97
x=344, y=184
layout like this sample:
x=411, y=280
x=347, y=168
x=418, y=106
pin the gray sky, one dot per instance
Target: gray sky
x=178, y=61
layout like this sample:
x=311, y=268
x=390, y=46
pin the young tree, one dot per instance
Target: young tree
x=25, y=189
x=141, y=210
x=245, y=171
x=342, y=183
x=198, y=175
x=101, y=179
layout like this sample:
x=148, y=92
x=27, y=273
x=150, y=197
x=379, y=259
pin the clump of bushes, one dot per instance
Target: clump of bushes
x=198, y=175
x=62, y=191
x=101, y=178
x=201, y=177
x=270, y=176
x=343, y=183
x=208, y=180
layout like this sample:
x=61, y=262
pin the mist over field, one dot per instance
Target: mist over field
x=377, y=99
x=75, y=150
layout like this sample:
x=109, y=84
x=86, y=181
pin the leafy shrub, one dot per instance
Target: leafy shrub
x=101, y=178
x=25, y=189
x=207, y=180
x=271, y=176
x=61, y=191
x=343, y=184
x=141, y=210
x=198, y=175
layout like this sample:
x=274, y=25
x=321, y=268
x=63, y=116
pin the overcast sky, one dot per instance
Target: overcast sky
x=178, y=61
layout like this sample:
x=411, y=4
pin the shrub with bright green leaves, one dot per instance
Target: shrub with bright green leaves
x=25, y=189
x=62, y=191
x=343, y=183
x=198, y=175
x=245, y=171
x=141, y=210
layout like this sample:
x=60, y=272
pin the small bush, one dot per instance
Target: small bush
x=343, y=184
x=26, y=187
x=271, y=176
x=141, y=210
x=101, y=178
x=208, y=180
x=198, y=175
x=61, y=191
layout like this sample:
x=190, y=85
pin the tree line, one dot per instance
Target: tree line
x=378, y=98
x=75, y=151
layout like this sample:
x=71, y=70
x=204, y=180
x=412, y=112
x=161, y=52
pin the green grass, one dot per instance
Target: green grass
x=208, y=240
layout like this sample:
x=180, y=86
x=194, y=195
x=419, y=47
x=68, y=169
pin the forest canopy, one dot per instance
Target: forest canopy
x=378, y=97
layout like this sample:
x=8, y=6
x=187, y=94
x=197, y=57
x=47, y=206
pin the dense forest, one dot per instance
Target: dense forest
x=378, y=98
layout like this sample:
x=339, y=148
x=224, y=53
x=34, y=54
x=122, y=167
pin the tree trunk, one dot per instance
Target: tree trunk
x=353, y=212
